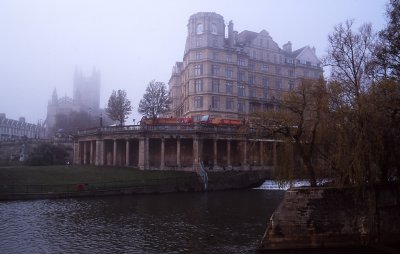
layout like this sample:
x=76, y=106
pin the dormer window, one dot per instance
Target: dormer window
x=199, y=29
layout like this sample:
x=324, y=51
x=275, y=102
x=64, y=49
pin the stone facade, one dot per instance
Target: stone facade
x=334, y=217
x=11, y=130
x=234, y=76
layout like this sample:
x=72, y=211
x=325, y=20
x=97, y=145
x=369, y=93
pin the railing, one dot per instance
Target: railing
x=10, y=189
x=166, y=128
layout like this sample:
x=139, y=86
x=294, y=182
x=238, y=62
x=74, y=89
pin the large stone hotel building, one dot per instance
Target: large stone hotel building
x=234, y=75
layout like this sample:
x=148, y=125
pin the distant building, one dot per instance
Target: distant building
x=233, y=76
x=12, y=130
x=86, y=98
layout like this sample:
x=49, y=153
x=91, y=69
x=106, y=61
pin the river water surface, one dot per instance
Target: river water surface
x=215, y=222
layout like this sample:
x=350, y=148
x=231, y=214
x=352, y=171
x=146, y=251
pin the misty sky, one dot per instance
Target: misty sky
x=134, y=42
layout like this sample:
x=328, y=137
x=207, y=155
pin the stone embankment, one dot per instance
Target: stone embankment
x=217, y=181
x=334, y=218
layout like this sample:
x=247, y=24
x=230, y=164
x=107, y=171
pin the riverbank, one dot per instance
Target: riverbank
x=324, y=218
x=24, y=182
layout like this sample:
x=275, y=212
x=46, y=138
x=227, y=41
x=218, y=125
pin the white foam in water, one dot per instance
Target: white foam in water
x=274, y=185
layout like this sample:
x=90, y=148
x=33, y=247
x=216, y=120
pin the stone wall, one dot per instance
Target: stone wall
x=334, y=217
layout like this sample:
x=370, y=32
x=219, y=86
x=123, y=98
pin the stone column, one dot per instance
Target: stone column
x=91, y=152
x=245, y=155
x=261, y=153
x=146, y=151
x=101, y=152
x=141, y=153
x=97, y=155
x=162, y=159
x=115, y=152
x=84, y=153
x=178, y=152
x=228, y=155
x=274, y=155
x=195, y=151
x=215, y=150
x=127, y=159
x=77, y=159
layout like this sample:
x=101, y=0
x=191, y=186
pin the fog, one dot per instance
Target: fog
x=42, y=42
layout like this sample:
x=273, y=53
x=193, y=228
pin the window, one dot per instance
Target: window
x=241, y=62
x=214, y=101
x=240, y=106
x=278, y=85
x=240, y=90
x=254, y=54
x=229, y=58
x=265, y=82
x=229, y=72
x=198, y=85
x=264, y=68
x=241, y=75
x=198, y=70
x=215, y=56
x=252, y=107
x=229, y=88
x=252, y=66
x=290, y=73
x=252, y=92
x=215, y=85
x=278, y=70
x=199, y=42
x=229, y=104
x=199, y=28
x=198, y=55
x=291, y=85
x=198, y=102
x=251, y=79
x=266, y=92
x=215, y=70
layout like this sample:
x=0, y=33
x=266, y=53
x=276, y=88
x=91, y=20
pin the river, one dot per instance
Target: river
x=214, y=222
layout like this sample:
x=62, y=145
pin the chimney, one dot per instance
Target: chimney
x=230, y=34
x=22, y=119
x=287, y=47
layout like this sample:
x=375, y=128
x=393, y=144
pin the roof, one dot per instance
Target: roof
x=246, y=36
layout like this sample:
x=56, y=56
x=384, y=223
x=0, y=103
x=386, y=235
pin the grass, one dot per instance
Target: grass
x=53, y=175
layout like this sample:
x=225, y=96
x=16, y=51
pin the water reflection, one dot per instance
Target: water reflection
x=218, y=222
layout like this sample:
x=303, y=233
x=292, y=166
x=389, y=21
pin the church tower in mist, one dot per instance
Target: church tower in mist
x=85, y=99
x=87, y=90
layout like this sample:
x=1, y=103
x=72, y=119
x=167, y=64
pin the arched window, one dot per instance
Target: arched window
x=199, y=28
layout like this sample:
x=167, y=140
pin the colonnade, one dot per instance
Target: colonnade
x=171, y=152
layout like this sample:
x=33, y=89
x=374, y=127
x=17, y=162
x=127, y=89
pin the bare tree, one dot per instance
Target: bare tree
x=349, y=56
x=298, y=121
x=155, y=101
x=119, y=106
x=388, y=48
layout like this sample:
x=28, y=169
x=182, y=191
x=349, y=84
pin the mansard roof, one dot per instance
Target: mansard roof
x=246, y=36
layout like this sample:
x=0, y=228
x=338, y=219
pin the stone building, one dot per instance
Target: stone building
x=86, y=98
x=13, y=130
x=234, y=75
